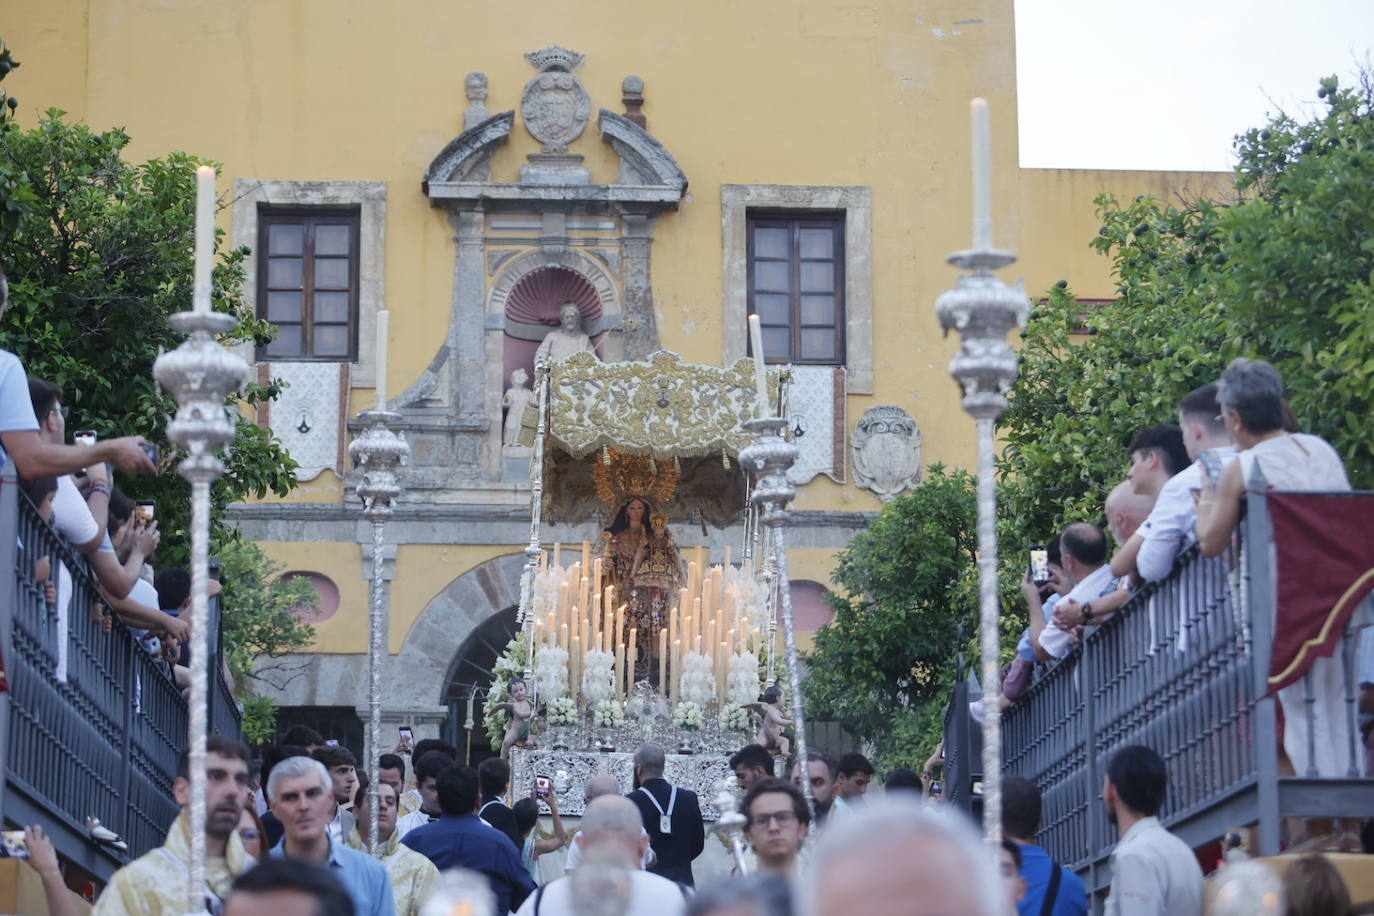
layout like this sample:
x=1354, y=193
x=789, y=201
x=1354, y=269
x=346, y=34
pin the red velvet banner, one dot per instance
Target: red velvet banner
x=1324, y=544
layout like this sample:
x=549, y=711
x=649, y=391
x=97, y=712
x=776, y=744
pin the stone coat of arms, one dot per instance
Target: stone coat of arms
x=555, y=107
x=886, y=445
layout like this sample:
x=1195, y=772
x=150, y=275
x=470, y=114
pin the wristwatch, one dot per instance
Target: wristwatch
x=1087, y=611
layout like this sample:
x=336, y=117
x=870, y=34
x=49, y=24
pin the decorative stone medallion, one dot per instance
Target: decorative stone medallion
x=887, y=451
x=555, y=107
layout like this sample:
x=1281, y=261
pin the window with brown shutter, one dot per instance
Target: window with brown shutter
x=796, y=286
x=308, y=282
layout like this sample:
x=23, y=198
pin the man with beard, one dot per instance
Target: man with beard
x=302, y=795
x=1153, y=872
x=157, y=883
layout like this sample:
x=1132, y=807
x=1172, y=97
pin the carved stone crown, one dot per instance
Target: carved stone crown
x=555, y=58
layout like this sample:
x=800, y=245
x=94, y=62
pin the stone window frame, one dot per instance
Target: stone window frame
x=370, y=199
x=856, y=201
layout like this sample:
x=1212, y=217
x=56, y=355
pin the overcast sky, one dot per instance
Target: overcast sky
x=1167, y=84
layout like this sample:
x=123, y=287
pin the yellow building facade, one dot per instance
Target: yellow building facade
x=469, y=166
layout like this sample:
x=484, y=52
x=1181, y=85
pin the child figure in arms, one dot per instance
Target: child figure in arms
x=521, y=711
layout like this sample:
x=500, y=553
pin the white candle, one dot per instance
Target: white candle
x=205, y=237
x=982, y=175
x=383, y=323
x=760, y=373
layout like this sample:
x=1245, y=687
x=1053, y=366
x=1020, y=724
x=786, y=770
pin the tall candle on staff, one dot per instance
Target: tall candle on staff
x=631, y=659
x=663, y=661
x=760, y=373
x=982, y=175
x=205, y=237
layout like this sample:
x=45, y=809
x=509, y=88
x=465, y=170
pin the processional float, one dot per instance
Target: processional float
x=624, y=637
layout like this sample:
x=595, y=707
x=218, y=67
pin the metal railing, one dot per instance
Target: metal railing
x=92, y=725
x=1183, y=668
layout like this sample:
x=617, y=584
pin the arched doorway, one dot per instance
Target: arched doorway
x=472, y=671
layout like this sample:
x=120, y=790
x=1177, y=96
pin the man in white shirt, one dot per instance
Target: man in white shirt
x=1154, y=873
x=82, y=521
x=1083, y=556
x=427, y=768
x=611, y=837
x=1169, y=529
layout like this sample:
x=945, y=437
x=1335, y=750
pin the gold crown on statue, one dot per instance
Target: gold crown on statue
x=618, y=477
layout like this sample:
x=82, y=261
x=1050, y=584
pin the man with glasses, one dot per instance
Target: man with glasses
x=778, y=821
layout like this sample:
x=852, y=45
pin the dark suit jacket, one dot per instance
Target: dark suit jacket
x=502, y=818
x=675, y=850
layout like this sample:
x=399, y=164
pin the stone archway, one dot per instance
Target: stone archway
x=419, y=673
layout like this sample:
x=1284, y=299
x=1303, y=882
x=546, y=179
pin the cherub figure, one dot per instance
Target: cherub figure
x=774, y=721
x=521, y=712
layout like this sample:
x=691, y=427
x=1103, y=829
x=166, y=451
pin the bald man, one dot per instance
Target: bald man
x=900, y=858
x=1083, y=556
x=599, y=785
x=1126, y=511
x=612, y=842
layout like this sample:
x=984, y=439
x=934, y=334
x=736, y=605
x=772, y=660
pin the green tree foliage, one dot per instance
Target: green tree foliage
x=100, y=255
x=1281, y=271
x=99, y=252
x=262, y=620
x=883, y=666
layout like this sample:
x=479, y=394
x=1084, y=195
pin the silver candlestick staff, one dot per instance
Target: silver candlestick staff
x=379, y=453
x=983, y=309
x=770, y=457
x=201, y=375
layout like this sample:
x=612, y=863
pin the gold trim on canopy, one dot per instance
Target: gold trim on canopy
x=661, y=407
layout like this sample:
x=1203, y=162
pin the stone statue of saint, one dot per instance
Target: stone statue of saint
x=564, y=340
x=517, y=397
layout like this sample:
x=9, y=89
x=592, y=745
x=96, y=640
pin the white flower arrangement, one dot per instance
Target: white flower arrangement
x=742, y=679
x=735, y=718
x=609, y=714
x=698, y=684
x=510, y=665
x=687, y=715
x=598, y=675
x=562, y=711
x=551, y=671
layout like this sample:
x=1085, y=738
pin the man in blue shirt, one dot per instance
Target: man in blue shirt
x=302, y=796
x=1051, y=889
x=461, y=838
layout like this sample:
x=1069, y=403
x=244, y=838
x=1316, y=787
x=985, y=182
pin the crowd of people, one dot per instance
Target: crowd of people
x=1186, y=486
x=288, y=834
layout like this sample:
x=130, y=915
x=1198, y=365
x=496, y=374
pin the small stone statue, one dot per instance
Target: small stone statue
x=566, y=339
x=516, y=399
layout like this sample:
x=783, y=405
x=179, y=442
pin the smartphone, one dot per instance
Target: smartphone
x=1039, y=564
x=542, y=787
x=407, y=737
x=13, y=845
x=1211, y=464
x=145, y=510
x=332, y=742
x=84, y=437
x=151, y=451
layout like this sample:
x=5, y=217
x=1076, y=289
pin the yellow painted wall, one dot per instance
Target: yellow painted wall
x=767, y=91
